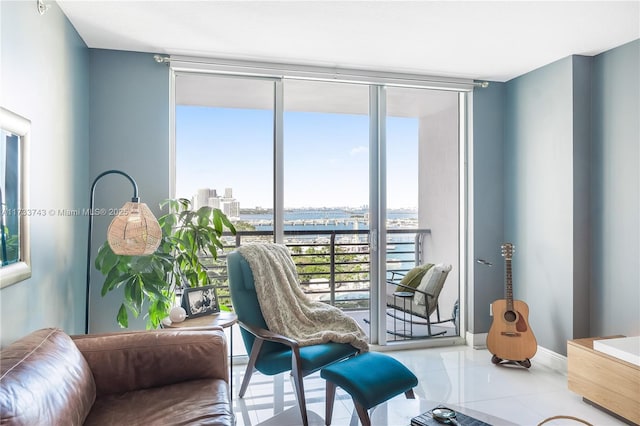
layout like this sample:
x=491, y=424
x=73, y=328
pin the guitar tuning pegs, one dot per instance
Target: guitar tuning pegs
x=507, y=249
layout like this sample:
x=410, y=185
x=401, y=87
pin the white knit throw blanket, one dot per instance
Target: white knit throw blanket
x=285, y=307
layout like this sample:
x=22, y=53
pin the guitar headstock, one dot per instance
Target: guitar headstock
x=507, y=250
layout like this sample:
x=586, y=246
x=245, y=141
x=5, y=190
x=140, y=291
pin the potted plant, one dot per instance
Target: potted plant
x=152, y=280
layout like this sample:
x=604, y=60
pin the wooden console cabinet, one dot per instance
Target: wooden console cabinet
x=606, y=381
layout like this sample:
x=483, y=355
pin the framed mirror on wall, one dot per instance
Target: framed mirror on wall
x=15, y=255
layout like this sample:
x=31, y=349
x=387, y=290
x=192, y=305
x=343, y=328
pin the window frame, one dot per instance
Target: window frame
x=377, y=82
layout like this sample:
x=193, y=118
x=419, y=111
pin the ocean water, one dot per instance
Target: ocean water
x=346, y=219
x=400, y=247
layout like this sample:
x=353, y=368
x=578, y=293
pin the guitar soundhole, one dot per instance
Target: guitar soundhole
x=510, y=316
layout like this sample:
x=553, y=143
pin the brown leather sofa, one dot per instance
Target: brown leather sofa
x=160, y=377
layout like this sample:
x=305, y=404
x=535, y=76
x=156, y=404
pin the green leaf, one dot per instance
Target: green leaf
x=134, y=310
x=138, y=293
x=186, y=217
x=187, y=241
x=167, y=222
x=158, y=310
x=114, y=279
x=123, y=318
x=140, y=264
x=103, y=252
x=128, y=297
x=185, y=203
x=203, y=214
x=217, y=223
x=153, y=291
x=192, y=276
x=228, y=224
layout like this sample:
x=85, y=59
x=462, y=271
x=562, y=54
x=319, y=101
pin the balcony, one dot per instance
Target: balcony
x=334, y=267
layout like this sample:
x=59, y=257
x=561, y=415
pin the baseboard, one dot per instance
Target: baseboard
x=476, y=341
x=551, y=359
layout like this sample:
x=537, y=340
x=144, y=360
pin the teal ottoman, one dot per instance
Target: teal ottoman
x=370, y=379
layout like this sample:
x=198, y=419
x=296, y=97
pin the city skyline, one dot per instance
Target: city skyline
x=198, y=200
x=327, y=155
x=209, y=197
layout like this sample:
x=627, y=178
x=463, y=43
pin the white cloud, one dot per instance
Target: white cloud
x=359, y=150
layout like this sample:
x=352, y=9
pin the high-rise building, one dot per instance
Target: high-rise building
x=231, y=209
x=214, y=202
x=209, y=197
x=202, y=198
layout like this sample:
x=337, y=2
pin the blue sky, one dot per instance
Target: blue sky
x=325, y=155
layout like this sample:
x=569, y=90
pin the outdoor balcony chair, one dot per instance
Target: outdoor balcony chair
x=413, y=299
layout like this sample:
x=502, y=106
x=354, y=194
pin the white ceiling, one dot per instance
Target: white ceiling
x=471, y=39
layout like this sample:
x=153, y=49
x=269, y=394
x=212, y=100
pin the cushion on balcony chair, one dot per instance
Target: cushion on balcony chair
x=414, y=277
x=432, y=284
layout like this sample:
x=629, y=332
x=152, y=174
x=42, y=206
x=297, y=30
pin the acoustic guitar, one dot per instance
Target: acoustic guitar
x=510, y=337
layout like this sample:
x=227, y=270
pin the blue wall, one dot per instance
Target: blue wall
x=571, y=203
x=539, y=197
x=129, y=123
x=488, y=200
x=91, y=110
x=615, y=201
x=45, y=78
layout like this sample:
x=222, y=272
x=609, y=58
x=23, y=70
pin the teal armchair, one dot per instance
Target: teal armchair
x=271, y=353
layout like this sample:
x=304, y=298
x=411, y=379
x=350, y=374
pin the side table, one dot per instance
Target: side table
x=405, y=296
x=223, y=319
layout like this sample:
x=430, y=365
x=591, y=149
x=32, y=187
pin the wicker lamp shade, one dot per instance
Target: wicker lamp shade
x=134, y=231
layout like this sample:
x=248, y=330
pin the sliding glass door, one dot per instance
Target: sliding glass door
x=422, y=206
x=326, y=191
x=360, y=181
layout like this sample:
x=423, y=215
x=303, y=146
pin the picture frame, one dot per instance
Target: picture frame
x=199, y=301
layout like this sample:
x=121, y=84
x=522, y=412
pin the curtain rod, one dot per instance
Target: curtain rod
x=266, y=69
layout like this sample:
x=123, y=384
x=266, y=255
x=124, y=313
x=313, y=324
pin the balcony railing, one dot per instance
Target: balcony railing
x=333, y=265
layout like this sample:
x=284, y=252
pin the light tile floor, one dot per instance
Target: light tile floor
x=457, y=375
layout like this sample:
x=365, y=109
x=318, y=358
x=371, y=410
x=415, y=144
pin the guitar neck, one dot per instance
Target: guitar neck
x=509, y=275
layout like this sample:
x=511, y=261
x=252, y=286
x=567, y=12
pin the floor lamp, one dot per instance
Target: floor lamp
x=134, y=231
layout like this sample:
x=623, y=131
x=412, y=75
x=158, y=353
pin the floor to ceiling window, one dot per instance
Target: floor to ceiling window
x=360, y=194
x=224, y=143
x=422, y=193
x=326, y=190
